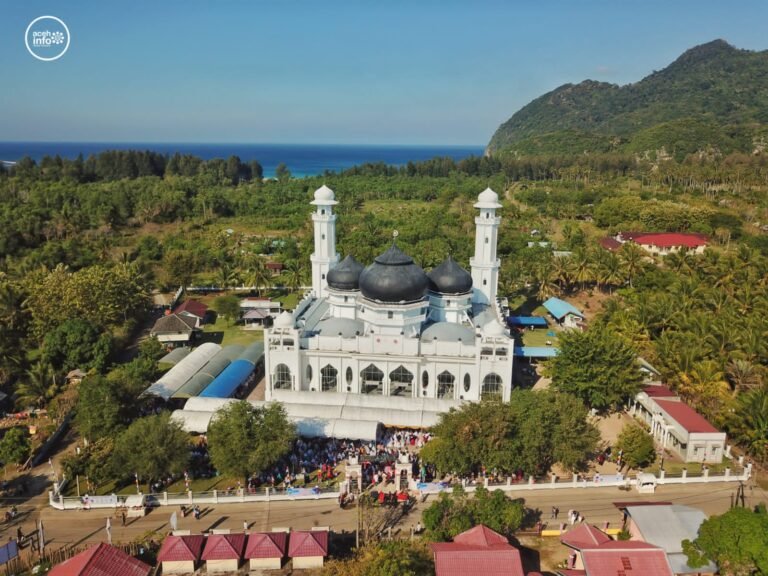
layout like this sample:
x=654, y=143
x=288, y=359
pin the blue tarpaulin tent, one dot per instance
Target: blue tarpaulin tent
x=233, y=376
x=536, y=321
x=535, y=351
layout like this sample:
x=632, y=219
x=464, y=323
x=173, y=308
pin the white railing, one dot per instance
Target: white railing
x=191, y=498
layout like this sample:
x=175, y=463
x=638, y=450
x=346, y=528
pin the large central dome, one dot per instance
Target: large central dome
x=393, y=277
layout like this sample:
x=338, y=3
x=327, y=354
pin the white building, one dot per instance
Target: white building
x=390, y=329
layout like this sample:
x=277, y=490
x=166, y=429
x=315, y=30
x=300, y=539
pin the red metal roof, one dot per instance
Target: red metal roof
x=626, y=559
x=480, y=535
x=266, y=545
x=657, y=391
x=192, y=307
x=101, y=560
x=480, y=551
x=224, y=547
x=686, y=416
x=667, y=239
x=181, y=548
x=610, y=243
x=308, y=543
x=584, y=536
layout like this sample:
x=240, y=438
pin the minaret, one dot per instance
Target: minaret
x=325, y=256
x=485, y=265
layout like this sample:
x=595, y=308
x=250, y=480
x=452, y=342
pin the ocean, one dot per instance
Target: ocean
x=301, y=159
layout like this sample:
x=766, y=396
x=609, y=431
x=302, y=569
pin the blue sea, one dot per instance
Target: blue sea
x=301, y=159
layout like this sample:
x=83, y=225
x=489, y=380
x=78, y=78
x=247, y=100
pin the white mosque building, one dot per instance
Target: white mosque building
x=390, y=332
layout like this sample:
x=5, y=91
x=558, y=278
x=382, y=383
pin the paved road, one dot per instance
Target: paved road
x=595, y=504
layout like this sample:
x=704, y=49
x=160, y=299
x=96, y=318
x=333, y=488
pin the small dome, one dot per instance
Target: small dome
x=284, y=320
x=345, y=275
x=324, y=196
x=449, y=278
x=488, y=199
x=393, y=277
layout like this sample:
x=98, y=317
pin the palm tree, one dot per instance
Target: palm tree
x=38, y=385
x=609, y=272
x=632, y=258
x=581, y=267
x=750, y=425
x=547, y=286
x=294, y=275
x=743, y=375
x=257, y=274
x=227, y=276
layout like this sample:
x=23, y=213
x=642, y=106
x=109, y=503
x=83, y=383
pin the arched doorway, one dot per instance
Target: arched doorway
x=445, y=382
x=491, y=389
x=282, y=377
x=400, y=382
x=328, y=378
x=371, y=380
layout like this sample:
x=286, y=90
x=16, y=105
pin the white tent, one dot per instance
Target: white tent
x=177, y=376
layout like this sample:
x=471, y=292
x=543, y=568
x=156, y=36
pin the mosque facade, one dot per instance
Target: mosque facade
x=390, y=329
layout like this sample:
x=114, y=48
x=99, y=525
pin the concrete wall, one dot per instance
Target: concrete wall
x=219, y=566
x=308, y=562
x=266, y=563
x=186, y=567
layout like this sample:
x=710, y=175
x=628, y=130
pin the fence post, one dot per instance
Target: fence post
x=727, y=473
x=685, y=475
x=165, y=498
x=662, y=475
x=553, y=479
x=531, y=480
x=267, y=489
x=706, y=474
x=485, y=481
x=189, y=496
x=61, y=501
x=215, y=496
x=575, y=480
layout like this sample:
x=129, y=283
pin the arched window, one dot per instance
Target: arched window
x=349, y=375
x=424, y=379
x=371, y=380
x=445, y=382
x=328, y=378
x=467, y=382
x=309, y=374
x=491, y=387
x=282, y=377
x=400, y=382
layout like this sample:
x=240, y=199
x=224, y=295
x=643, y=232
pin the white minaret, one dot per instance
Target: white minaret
x=325, y=256
x=485, y=265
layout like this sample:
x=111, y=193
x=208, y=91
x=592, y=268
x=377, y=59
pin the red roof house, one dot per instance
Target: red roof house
x=666, y=242
x=266, y=550
x=626, y=558
x=656, y=391
x=584, y=536
x=192, y=308
x=686, y=416
x=478, y=551
x=180, y=554
x=610, y=243
x=223, y=552
x=101, y=560
x=308, y=548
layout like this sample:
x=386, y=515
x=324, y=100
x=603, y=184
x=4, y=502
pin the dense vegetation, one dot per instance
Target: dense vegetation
x=712, y=96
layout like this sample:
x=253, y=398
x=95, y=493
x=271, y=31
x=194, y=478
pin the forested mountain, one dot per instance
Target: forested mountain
x=712, y=96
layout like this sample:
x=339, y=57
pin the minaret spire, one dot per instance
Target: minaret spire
x=325, y=256
x=485, y=264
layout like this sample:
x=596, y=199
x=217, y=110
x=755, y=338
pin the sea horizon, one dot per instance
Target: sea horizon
x=301, y=159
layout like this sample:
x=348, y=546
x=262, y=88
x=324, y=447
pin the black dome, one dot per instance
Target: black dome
x=449, y=278
x=393, y=277
x=345, y=275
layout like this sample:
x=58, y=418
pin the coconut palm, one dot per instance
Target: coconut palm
x=633, y=260
x=37, y=386
x=294, y=275
x=743, y=375
x=256, y=274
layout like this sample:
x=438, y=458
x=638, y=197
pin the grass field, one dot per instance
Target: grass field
x=539, y=337
x=224, y=333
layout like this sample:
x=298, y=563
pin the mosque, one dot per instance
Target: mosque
x=391, y=330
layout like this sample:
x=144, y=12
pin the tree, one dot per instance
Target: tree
x=632, y=258
x=245, y=440
x=76, y=343
x=15, y=447
x=395, y=558
x=38, y=385
x=507, y=436
x=749, y=422
x=736, y=541
x=282, y=172
x=228, y=307
x=454, y=513
x=636, y=445
x=598, y=366
x=98, y=409
x=152, y=447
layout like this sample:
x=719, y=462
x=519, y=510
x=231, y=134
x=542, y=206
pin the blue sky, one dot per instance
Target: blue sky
x=294, y=71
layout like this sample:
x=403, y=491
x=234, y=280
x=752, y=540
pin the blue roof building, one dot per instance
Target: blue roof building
x=565, y=313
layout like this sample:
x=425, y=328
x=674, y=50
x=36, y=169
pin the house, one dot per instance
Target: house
x=174, y=329
x=650, y=374
x=223, y=552
x=266, y=550
x=273, y=307
x=663, y=243
x=181, y=554
x=677, y=426
x=597, y=554
x=274, y=268
x=666, y=526
x=566, y=314
x=610, y=244
x=75, y=376
x=99, y=560
x=479, y=551
x=193, y=309
x=308, y=548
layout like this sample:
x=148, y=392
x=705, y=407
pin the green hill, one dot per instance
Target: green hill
x=712, y=95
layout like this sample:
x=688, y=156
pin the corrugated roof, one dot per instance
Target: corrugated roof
x=536, y=351
x=667, y=526
x=224, y=547
x=175, y=356
x=667, y=239
x=192, y=307
x=480, y=535
x=658, y=391
x=686, y=416
x=560, y=308
x=308, y=543
x=478, y=550
x=610, y=243
x=253, y=353
x=584, y=536
x=266, y=545
x=181, y=548
x=174, y=323
x=101, y=560
x=177, y=376
x=229, y=380
x=627, y=559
